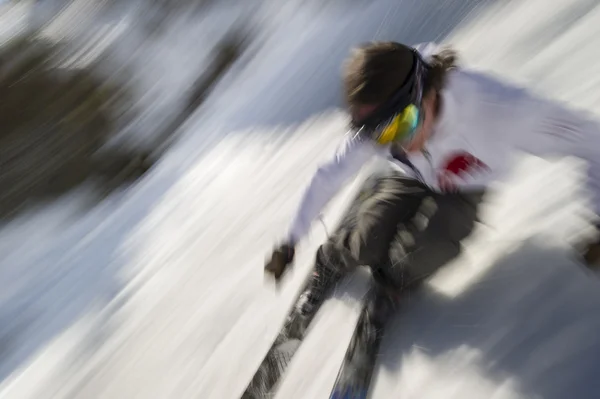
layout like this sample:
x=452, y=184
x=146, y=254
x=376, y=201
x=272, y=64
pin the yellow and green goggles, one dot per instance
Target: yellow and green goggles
x=397, y=119
x=400, y=128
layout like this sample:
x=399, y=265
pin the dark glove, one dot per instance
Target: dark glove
x=591, y=252
x=280, y=259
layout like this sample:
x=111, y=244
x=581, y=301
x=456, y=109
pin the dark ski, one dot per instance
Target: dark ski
x=315, y=291
x=293, y=331
x=354, y=378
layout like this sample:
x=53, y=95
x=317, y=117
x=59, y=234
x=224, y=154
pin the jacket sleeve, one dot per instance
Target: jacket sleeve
x=327, y=182
x=564, y=132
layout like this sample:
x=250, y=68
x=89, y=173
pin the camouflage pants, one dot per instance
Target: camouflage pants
x=400, y=229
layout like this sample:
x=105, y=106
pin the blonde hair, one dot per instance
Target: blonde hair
x=439, y=66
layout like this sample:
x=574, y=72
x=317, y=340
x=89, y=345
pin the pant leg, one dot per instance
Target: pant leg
x=364, y=234
x=399, y=228
x=370, y=226
x=420, y=250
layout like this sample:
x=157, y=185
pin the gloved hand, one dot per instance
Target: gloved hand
x=280, y=259
x=591, y=251
x=591, y=255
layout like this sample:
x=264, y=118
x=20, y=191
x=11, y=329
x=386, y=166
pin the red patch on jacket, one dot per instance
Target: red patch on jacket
x=458, y=165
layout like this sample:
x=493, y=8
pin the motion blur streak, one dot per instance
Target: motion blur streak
x=197, y=125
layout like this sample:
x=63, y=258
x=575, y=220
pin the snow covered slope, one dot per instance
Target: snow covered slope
x=159, y=292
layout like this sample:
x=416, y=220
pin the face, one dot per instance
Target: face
x=423, y=132
x=428, y=108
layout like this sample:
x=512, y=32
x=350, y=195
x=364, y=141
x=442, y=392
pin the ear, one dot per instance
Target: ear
x=430, y=102
x=430, y=96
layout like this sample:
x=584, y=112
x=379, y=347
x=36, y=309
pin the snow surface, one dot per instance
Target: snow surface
x=158, y=292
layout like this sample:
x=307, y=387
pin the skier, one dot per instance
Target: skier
x=448, y=132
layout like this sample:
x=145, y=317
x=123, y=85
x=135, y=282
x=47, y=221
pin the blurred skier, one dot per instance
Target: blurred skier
x=448, y=132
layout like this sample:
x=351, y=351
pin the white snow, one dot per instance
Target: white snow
x=159, y=293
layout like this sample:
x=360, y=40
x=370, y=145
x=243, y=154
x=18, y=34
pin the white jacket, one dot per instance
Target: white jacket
x=483, y=122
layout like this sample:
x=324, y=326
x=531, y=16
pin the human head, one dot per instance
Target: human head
x=375, y=71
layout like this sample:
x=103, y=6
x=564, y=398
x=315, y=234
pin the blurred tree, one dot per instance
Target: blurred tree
x=53, y=124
